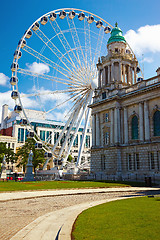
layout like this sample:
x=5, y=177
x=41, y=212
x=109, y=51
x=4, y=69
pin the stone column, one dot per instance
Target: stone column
x=146, y=121
x=99, y=78
x=116, y=125
x=109, y=70
x=123, y=66
x=141, y=133
x=120, y=71
x=104, y=77
x=97, y=130
x=93, y=131
x=112, y=127
x=135, y=75
x=131, y=75
x=112, y=72
x=128, y=79
x=125, y=126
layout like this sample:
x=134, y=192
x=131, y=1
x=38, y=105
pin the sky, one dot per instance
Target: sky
x=139, y=21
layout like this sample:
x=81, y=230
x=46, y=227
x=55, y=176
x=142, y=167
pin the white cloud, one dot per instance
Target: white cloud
x=3, y=79
x=39, y=68
x=6, y=99
x=145, y=40
x=147, y=59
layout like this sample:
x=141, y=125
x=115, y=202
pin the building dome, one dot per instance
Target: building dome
x=116, y=35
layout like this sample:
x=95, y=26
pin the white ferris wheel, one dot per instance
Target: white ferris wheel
x=54, y=67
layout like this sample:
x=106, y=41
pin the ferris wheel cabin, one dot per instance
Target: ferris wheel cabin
x=72, y=14
x=48, y=155
x=35, y=27
x=29, y=34
x=30, y=134
x=107, y=29
x=90, y=19
x=62, y=14
x=99, y=24
x=23, y=122
x=17, y=53
x=17, y=108
x=38, y=145
x=44, y=20
x=53, y=16
x=81, y=16
x=14, y=66
x=13, y=81
x=14, y=95
x=23, y=43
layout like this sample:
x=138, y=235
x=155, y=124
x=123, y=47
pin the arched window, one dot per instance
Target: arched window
x=134, y=125
x=156, y=123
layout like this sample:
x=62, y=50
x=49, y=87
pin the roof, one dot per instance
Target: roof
x=116, y=35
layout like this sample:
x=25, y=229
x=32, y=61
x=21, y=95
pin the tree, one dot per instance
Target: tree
x=8, y=152
x=23, y=153
x=70, y=158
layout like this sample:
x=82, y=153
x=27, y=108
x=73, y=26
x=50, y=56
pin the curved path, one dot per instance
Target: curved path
x=47, y=214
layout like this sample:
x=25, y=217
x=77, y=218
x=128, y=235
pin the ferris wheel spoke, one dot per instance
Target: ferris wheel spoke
x=50, y=78
x=46, y=60
x=88, y=54
x=53, y=48
x=64, y=42
x=75, y=37
x=43, y=93
x=99, y=46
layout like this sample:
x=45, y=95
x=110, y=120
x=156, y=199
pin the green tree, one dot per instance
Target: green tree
x=23, y=153
x=70, y=158
x=8, y=152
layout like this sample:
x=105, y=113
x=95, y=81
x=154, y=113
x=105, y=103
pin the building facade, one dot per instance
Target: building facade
x=125, y=117
x=47, y=130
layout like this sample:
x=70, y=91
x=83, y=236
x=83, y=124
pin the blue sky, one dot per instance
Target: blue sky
x=139, y=19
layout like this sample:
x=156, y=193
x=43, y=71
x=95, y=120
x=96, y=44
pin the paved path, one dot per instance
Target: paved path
x=35, y=194
x=41, y=214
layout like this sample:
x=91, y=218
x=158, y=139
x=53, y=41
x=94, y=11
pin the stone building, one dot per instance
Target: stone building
x=125, y=117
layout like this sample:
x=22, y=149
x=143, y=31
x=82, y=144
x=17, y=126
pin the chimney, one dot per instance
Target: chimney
x=4, y=115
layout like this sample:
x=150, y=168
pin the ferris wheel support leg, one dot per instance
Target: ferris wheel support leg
x=70, y=129
x=46, y=162
x=75, y=133
x=83, y=137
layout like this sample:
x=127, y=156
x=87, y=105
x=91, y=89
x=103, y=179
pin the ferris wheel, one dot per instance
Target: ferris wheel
x=54, y=68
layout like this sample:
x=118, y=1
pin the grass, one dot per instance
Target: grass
x=46, y=185
x=129, y=219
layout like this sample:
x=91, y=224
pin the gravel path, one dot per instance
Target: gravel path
x=16, y=214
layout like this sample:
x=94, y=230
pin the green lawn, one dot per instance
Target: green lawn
x=129, y=219
x=40, y=185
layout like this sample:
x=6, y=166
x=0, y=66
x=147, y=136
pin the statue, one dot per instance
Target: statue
x=29, y=176
x=3, y=168
x=30, y=158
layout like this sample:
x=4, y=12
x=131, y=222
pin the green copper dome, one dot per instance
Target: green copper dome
x=116, y=35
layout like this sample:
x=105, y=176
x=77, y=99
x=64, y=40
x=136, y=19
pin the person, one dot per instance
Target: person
x=30, y=158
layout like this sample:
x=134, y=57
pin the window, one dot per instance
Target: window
x=106, y=117
x=42, y=135
x=20, y=135
x=87, y=141
x=75, y=144
x=129, y=162
x=104, y=95
x=116, y=50
x=103, y=166
x=134, y=127
x=152, y=160
x=137, y=163
x=106, y=140
x=156, y=123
